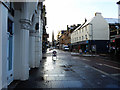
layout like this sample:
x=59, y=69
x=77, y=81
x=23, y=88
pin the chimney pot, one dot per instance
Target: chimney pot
x=97, y=13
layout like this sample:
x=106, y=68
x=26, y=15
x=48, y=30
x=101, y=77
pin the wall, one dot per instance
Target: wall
x=97, y=29
x=17, y=49
x=3, y=46
x=100, y=28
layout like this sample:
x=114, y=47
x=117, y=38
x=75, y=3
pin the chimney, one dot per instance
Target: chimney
x=97, y=13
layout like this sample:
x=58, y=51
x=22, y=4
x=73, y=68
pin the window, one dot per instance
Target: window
x=85, y=36
x=82, y=38
x=79, y=38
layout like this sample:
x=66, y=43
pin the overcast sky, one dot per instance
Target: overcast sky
x=61, y=13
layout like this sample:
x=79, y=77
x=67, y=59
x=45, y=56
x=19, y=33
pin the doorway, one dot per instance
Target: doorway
x=10, y=52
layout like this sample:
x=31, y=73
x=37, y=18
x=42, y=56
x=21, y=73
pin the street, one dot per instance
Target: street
x=67, y=71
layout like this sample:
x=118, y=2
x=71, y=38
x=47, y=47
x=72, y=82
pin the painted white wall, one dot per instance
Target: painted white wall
x=17, y=49
x=3, y=46
x=32, y=52
x=21, y=65
x=24, y=35
x=41, y=34
x=32, y=43
x=21, y=43
x=100, y=28
x=97, y=29
x=119, y=13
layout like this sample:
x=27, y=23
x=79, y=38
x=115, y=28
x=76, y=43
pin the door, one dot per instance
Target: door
x=10, y=52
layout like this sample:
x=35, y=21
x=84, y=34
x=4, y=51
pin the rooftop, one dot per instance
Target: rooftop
x=118, y=2
x=111, y=20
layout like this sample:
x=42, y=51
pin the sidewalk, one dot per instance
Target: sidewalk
x=83, y=55
x=103, y=56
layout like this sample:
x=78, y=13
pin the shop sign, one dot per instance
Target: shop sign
x=86, y=41
x=112, y=40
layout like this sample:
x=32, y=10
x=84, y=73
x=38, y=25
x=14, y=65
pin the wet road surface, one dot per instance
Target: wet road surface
x=68, y=71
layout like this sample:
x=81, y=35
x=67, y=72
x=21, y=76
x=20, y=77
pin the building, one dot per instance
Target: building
x=53, y=39
x=64, y=36
x=59, y=40
x=91, y=36
x=45, y=35
x=118, y=3
x=20, y=40
x=114, y=27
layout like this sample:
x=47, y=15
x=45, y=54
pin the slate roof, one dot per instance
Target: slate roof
x=111, y=20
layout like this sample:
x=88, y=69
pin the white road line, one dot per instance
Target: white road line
x=110, y=75
x=117, y=74
x=99, y=64
x=112, y=66
x=100, y=71
x=85, y=59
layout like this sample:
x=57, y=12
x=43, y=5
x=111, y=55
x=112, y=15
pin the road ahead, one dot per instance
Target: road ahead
x=73, y=72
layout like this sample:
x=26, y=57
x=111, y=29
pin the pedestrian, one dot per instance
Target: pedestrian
x=80, y=51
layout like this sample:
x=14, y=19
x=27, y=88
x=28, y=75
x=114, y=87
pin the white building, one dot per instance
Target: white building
x=93, y=35
x=118, y=10
x=20, y=40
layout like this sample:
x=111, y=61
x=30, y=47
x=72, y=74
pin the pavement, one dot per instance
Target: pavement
x=83, y=55
x=71, y=72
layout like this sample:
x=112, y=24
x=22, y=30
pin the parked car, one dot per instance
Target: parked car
x=65, y=48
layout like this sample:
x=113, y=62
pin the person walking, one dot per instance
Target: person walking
x=80, y=51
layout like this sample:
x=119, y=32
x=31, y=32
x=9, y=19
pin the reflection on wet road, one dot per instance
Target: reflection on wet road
x=67, y=72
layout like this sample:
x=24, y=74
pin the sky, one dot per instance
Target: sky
x=61, y=13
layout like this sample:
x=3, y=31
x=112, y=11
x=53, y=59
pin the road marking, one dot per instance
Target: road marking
x=108, y=66
x=110, y=75
x=99, y=64
x=100, y=71
x=117, y=74
x=85, y=59
x=112, y=66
